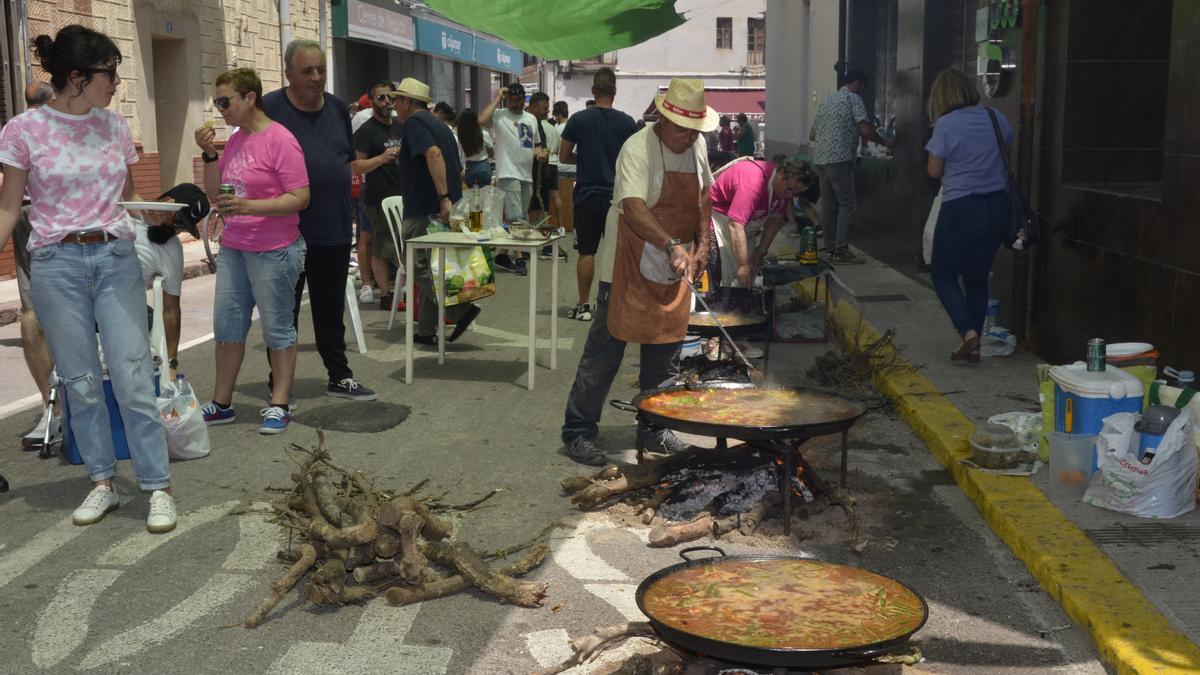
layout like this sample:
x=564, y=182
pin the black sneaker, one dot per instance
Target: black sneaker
x=547, y=253
x=668, y=443
x=505, y=262
x=429, y=340
x=584, y=451
x=351, y=389
x=580, y=313
x=521, y=268
x=462, y=324
x=846, y=258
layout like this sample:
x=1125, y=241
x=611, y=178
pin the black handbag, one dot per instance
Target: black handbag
x=1025, y=225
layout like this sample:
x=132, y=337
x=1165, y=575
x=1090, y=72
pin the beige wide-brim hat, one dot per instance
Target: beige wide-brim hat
x=683, y=104
x=412, y=88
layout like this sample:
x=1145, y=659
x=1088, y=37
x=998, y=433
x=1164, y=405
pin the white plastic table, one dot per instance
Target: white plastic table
x=443, y=240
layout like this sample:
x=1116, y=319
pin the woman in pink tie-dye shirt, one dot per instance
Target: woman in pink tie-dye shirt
x=72, y=156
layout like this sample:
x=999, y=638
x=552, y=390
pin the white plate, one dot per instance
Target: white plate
x=153, y=206
x=1128, y=348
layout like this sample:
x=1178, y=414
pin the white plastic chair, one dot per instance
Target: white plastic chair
x=393, y=212
x=355, y=317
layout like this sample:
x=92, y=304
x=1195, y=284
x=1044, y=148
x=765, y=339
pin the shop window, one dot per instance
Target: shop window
x=756, y=41
x=724, y=32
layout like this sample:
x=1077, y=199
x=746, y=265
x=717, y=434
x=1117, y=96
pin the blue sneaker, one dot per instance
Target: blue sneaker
x=275, y=420
x=215, y=414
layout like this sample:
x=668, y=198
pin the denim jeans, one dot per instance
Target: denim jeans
x=838, y=203
x=77, y=287
x=266, y=279
x=478, y=174
x=969, y=231
x=598, y=366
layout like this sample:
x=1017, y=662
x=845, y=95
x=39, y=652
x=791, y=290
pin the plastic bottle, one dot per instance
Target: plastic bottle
x=989, y=318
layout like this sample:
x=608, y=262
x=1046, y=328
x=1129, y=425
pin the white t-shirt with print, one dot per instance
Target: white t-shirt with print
x=640, y=168
x=514, y=136
x=77, y=166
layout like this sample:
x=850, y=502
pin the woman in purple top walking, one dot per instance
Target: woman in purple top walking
x=964, y=154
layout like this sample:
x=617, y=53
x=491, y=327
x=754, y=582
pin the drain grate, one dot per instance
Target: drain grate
x=1148, y=534
x=895, y=297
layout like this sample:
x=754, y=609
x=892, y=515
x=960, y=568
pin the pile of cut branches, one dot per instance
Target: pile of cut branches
x=355, y=541
x=854, y=367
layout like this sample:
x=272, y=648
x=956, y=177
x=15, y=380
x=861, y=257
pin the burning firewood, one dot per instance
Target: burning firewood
x=358, y=541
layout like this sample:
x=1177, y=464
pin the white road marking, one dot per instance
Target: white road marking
x=620, y=596
x=20, y=404
x=141, y=544
x=256, y=546
x=218, y=590
x=374, y=647
x=576, y=557
x=549, y=647
x=63, y=624
x=42, y=545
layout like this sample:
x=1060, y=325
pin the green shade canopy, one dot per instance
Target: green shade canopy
x=565, y=29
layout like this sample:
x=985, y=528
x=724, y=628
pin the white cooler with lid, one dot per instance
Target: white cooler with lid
x=1082, y=399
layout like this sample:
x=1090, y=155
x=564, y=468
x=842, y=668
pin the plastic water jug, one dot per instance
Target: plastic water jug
x=1072, y=457
x=1152, y=427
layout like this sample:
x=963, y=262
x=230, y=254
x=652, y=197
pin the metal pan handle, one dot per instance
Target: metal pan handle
x=627, y=406
x=691, y=549
x=869, y=654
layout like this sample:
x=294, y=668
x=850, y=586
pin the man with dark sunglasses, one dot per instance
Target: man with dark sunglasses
x=376, y=147
x=321, y=123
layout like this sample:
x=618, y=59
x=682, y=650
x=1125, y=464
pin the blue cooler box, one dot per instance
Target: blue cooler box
x=1083, y=399
x=70, y=449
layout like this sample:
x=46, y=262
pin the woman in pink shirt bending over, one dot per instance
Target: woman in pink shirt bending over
x=261, y=249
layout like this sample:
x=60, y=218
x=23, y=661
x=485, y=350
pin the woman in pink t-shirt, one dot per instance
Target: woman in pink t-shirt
x=261, y=249
x=72, y=156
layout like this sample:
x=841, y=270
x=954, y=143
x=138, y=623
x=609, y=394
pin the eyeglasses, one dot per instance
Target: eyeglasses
x=381, y=97
x=110, y=72
x=223, y=102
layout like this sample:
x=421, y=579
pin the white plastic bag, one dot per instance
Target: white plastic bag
x=930, y=228
x=187, y=435
x=1164, y=488
x=493, y=206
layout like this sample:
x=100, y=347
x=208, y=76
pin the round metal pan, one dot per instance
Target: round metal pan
x=702, y=323
x=806, y=659
x=825, y=413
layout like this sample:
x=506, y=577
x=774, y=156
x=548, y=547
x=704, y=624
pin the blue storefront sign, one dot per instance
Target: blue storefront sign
x=442, y=40
x=497, y=56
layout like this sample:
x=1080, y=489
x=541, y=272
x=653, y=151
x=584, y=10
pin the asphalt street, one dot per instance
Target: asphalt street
x=113, y=598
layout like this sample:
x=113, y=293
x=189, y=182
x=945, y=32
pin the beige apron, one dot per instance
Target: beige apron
x=646, y=305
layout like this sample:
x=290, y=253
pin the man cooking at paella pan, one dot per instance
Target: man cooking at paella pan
x=750, y=198
x=656, y=234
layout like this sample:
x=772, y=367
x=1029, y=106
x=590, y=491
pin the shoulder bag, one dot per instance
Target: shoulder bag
x=1025, y=225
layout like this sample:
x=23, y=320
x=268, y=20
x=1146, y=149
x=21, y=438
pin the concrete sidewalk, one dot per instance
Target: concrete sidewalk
x=1126, y=580
x=194, y=265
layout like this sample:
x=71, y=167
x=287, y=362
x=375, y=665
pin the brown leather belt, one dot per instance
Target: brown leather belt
x=89, y=237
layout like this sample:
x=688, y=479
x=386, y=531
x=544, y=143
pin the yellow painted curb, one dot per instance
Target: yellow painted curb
x=1130, y=633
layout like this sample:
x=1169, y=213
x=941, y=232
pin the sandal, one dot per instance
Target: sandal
x=964, y=351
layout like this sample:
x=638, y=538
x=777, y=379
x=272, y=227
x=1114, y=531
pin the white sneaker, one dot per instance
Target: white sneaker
x=366, y=295
x=99, y=502
x=162, y=512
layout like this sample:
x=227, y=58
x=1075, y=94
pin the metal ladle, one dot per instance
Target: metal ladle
x=756, y=375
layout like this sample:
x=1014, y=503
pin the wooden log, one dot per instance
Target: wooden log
x=574, y=484
x=646, y=474
x=326, y=498
x=468, y=563
x=407, y=595
x=589, y=647
x=387, y=544
x=662, y=536
x=280, y=588
x=392, y=511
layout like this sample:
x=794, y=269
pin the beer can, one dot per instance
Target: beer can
x=1096, y=355
x=226, y=189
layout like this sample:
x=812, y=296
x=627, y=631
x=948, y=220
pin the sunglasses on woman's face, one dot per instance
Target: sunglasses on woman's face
x=223, y=102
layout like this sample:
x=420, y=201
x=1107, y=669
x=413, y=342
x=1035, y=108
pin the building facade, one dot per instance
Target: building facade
x=723, y=44
x=1098, y=93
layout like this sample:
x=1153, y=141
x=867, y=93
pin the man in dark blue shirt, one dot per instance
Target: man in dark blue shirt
x=321, y=123
x=430, y=180
x=592, y=139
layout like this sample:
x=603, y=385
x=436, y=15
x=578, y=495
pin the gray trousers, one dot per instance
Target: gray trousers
x=838, y=203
